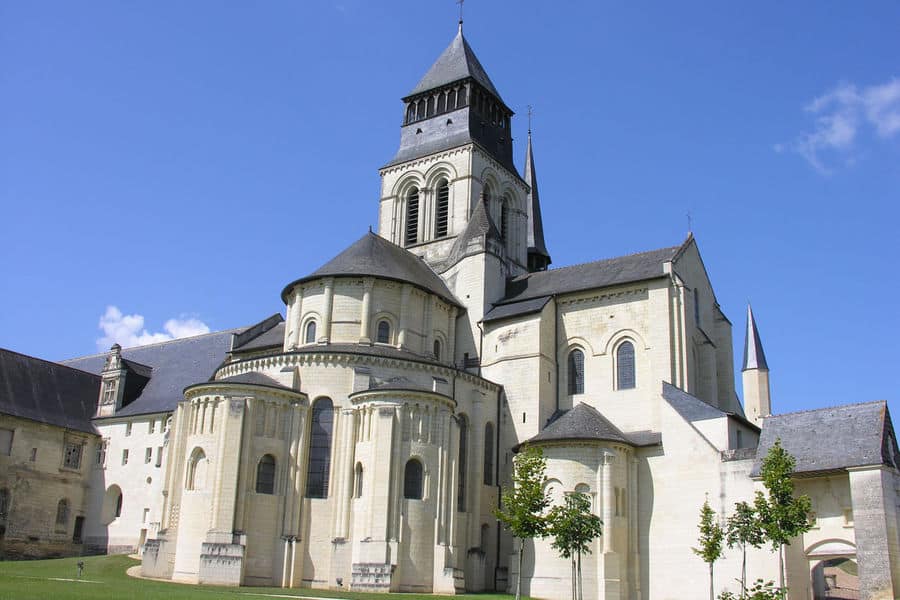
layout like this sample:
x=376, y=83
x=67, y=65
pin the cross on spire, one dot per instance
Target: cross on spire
x=530, y=113
x=460, y=2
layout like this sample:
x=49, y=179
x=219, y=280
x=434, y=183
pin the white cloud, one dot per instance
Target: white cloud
x=129, y=330
x=842, y=117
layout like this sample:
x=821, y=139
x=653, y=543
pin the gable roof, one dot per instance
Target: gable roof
x=830, y=439
x=584, y=422
x=516, y=309
x=373, y=256
x=47, y=392
x=456, y=62
x=270, y=338
x=175, y=365
x=597, y=274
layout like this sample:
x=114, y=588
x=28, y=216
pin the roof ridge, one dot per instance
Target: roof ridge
x=154, y=344
x=50, y=362
x=821, y=408
x=599, y=260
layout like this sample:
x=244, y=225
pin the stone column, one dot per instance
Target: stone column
x=365, y=317
x=405, y=294
x=875, y=527
x=326, y=311
x=475, y=472
x=427, y=326
x=294, y=323
x=249, y=429
x=607, y=492
x=451, y=336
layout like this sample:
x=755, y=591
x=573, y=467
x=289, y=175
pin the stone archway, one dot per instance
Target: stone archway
x=834, y=572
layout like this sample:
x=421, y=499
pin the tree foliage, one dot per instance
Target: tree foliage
x=523, y=505
x=711, y=541
x=573, y=527
x=743, y=529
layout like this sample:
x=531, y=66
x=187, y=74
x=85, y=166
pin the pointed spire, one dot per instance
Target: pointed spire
x=538, y=257
x=754, y=357
x=456, y=62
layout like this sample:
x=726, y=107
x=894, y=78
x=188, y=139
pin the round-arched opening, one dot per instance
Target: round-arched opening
x=413, y=487
x=112, y=504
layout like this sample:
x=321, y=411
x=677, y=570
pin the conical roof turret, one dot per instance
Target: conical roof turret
x=538, y=257
x=456, y=62
x=754, y=357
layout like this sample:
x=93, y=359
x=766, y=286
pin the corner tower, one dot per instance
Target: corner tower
x=455, y=149
x=755, y=375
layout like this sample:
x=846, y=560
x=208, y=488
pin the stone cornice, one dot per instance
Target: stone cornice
x=393, y=395
x=225, y=388
x=418, y=162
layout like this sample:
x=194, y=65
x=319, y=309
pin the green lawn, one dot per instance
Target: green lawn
x=104, y=578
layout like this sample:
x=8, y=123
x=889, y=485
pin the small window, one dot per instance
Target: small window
x=102, y=448
x=576, y=372
x=625, y=366
x=62, y=513
x=72, y=458
x=33, y=457
x=151, y=426
x=4, y=504
x=311, y=332
x=383, y=332
x=127, y=429
x=358, y=481
x=489, y=454
x=109, y=391
x=442, y=211
x=696, y=307
x=119, y=505
x=485, y=531
x=6, y=438
x=148, y=456
x=146, y=514
x=412, y=217
x=265, y=475
x=159, y=450
x=412, y=480
x=437, y=349
x=125, y=456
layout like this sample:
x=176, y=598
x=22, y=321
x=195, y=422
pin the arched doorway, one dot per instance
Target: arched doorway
x=834, y=572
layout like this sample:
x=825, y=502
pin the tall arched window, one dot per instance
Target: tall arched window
x=576, y=372
x=625, y=366
x=412, y=217
x=265, y=475
x=62, y=513
x=462, y=471
x=412, y=480
x=319, y=449
x=358, y=481
x=410, y=113
x=487, y=198
x=442, y=210
x=437, y=349
x=196, y=476
x=489, y=454
x=311, y=332
x=383, y=332
x=504, y=221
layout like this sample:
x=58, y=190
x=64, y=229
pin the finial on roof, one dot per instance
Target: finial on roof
x=530, y=112
x=460, y=2
x=754, y=357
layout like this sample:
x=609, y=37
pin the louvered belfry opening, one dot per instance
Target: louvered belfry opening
x=442, y=211
x=412, y=217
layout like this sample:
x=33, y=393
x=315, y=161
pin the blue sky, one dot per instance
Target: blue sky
x=181, y=161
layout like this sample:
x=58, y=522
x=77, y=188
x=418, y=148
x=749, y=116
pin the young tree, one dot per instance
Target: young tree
x=781, y=515
x=710, y=540
x=522, y=506
x=573, y=527
x=743, y=529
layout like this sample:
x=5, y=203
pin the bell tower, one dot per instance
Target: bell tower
x=455, y=150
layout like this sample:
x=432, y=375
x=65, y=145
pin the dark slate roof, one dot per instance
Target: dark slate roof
x=176, y=364
x=47, y=392
x=598, y=274
x=479, y=235
x=254, y=331
x=754, y=357
x=829, y=439
x=533, y=206
x=516, y=309
x=690, y=407
x=585, y=422
x=374, y=256
x=255, y=379
x=456, y=62
x=271, y=338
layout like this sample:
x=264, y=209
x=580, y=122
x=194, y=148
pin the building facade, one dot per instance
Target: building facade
x=363, y=440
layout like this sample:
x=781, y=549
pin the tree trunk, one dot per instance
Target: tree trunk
x=781, y=569
x=580, y=581
x=574, y=581
x=519, y=576
x=712, y=590
x=743, y=570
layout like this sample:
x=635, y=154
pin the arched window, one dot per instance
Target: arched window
x=265, y=475
x=625, y=366
x=383, y=332
x=62, y=513
x=311, y=332
x=487, y=198
x=412, y=217
x=485, y=530
x=504, y=221
x=442, y=102
x=489, y=454
x=461, y=464
x=451, y=100
x=410, y=112
x=358, y=481
x=119, y=506
x=437, y=349
x=412, y=480
x=319, y=449
x=196, y=476
x=112, y=504
x=576, y=372
x=442, y=210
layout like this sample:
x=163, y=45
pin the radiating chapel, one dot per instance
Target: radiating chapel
x=362, y=440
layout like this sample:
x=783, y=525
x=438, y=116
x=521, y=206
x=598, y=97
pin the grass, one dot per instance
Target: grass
x=104, y=578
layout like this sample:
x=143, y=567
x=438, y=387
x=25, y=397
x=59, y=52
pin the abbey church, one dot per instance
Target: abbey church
x=362, y=440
